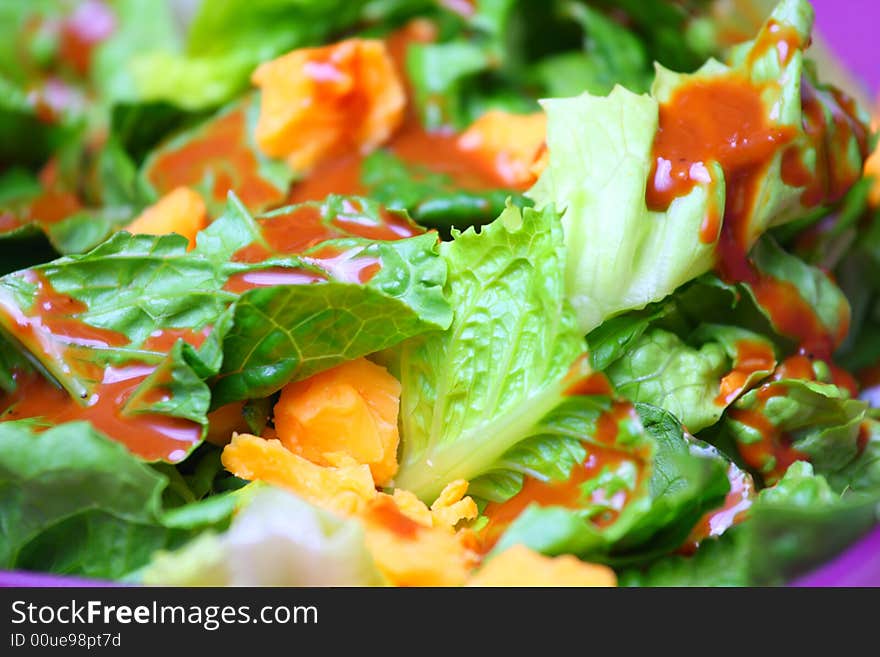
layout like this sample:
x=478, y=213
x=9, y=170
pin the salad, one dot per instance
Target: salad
x=433, y=293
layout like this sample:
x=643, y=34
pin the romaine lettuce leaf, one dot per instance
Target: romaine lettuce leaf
x=140, y=127
x=478, y=389
x=73, y=502
x=291, y=332
x=91, y=196
x=600, y=151
x=613, y=53
x=666, y=28
x=601, y=157
x=792, y=527
x=678, y=481
x=430, y=198
x=817, y=420
x=862, y=474
x=14, y=17
x=143, y=26
x=277, y=539
x=720, y=561
x=854, y=255
x=559, y=445
x=137, y=287
x=814, y=287
x=26, y=139
x=666, y=356
x=437, y=71
x=227, y=39
x=662, y=370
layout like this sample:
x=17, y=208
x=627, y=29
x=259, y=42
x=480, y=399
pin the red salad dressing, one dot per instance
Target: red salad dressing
x=221, y=148
x=52, y=205
x=783, y=38
x=163, y=340
x=774, y=443
x=601, y=454
x=52, y=327
x=151, y=436
x=437, y=151
x=304, y=229
x=717, y=120
x=751, y=356
x=595, y=384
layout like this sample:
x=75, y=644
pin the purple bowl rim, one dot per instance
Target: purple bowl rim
x=857, y=566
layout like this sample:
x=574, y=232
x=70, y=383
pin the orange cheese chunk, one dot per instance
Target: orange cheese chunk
x=450, y=508
x=344, y=488
x=520, y=566
x=321, y=102
x=224, y=422
x=181, y=211
x=511, y=144
x=409, y=554
x=350, y=409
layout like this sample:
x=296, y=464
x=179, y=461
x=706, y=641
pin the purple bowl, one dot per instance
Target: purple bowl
x=850, y=29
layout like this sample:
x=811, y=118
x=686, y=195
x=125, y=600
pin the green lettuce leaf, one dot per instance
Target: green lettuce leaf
x=140, y=127
x=17, y=56
x=283, y=333
x=21, y=243
x=858, y=274
x=143, y=27
x=720, y=561
x=227, y=40
x=813, y=285
x=600, y=160
x=73, y=502
x=684, y=377
x=11, y=361
x=675, y=481
x=128, y=285
x=613, y=54
x=25, y=138
x=862, y=474
x=801, y=522
x=430, y=198
x=106, y=186
x=792, y=527
x=616, y=336
x=662, y=370
x=817, y=419
x=438, y=71
x=136, y=286
x=551, y=455
x=475, y=391
x=666, y=29
x=277, y=539
x=295, y=331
